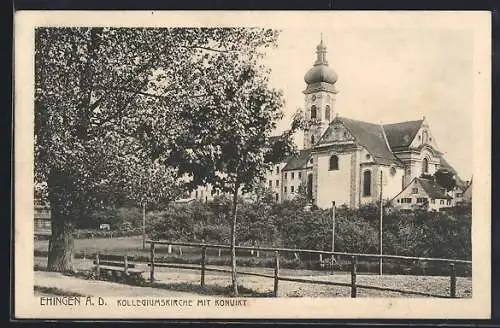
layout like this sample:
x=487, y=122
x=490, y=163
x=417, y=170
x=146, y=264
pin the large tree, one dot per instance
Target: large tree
x=225, y=140
x=100, y=96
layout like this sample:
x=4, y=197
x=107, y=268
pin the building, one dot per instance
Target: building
x=422, y=193
x=352, y=162
x=42, y=218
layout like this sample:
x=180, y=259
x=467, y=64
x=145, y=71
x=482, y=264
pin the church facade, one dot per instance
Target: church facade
x=351, y=162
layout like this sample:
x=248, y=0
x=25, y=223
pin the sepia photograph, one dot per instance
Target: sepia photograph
x=252, y=164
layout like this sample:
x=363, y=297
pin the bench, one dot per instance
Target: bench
x=116, y=266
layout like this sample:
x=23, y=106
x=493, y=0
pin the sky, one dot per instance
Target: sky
x=388, y=75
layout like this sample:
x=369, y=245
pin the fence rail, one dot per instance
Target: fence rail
x=278, y=277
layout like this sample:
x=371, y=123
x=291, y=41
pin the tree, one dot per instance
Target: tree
x=445, y=179
x=225, y=138
x=100, y=94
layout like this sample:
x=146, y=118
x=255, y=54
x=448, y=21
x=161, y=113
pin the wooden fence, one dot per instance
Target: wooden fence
x=277, y=277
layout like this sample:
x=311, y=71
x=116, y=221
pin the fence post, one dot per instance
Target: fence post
x=152, y=264
x=354, y=265
x=276, y=272
x=97, y=265
x=453, y=281
x=203, y=263
x=125, y=268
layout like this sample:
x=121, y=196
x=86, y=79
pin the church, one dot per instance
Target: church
x=351, y=162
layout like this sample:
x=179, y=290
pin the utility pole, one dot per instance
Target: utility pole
x=143, y=225
x=333, y=233
x=380, y=233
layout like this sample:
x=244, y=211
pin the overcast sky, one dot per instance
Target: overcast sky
x=389, y=75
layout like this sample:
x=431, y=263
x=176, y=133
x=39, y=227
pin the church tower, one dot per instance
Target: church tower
x=319, y=97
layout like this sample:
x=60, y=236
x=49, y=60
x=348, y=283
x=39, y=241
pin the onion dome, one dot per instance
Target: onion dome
x=320, y=72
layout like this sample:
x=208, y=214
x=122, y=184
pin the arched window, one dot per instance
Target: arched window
x=425, y=166
x=334, y=162
x=312, y=140
x=425, y=137
x=327, y=113
x=367, y=183
x=313, y=111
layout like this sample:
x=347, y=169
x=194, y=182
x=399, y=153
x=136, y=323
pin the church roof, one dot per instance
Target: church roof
x=400, y=135
x=432, y=189
x=371, y=136
x=298, y=161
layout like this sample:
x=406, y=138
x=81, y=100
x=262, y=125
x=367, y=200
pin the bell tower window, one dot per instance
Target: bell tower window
x=327, y=113
x=314, y=112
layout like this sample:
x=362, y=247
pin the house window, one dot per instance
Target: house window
x=367, y=183
x=293, y=175
x=277, y=197
x=433, y=201
x=299, y=188
x=277, y=169
x=327, y=113
x=436, y=167
x=448, y=202
x=425, y=165
x=334, y=163
x=313, y=111
x=414, y=190
x=284, y=189
x=421, y=200
x=406, y=200
x=292, y=189
x=441, y=202
x=270, y=183
x=300, y=175
x=285, y=176
x=277, y=183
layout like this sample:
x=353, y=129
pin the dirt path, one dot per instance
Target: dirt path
x=99, y=288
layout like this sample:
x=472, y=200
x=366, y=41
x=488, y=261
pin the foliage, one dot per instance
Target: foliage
x=446, y=179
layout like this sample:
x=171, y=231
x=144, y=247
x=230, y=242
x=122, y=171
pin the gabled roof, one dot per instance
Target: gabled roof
x=400, y=135
x=432, y=189
x=298, y=161
x=369, y=135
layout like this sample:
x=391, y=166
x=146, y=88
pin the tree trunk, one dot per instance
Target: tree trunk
x=62, y=203
x=233, y=244
x=61, y=245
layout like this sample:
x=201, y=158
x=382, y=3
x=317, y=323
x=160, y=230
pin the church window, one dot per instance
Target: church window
x=313, y=112
x=334, y=163
x=277, y=183
x=327, y=113
x=425, y=137
x=285, y=175
x=300, y=175
x=367, y=156
x=277, y=169
x=270, y=183
x=312, y=140
x=367, y=183
x=285, y=189
x=292, y=189
x=425, y=165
